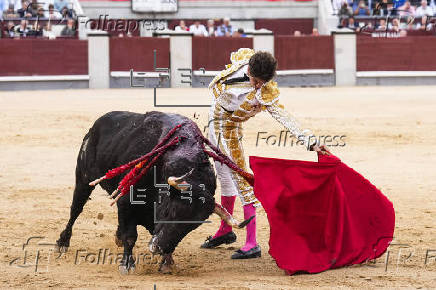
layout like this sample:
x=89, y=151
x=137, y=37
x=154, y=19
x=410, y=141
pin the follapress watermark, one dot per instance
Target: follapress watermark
x=38, y=255
x=285, y=138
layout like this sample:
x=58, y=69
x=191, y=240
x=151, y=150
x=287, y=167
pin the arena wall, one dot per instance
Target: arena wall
x=214, y=53
x=303, y=61
x=27, y=57
x=396, y=54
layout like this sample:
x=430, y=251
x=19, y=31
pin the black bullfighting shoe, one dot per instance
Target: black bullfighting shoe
x=224, y=239
x=254, y=252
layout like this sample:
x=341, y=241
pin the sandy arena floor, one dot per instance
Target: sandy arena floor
x=390, y=139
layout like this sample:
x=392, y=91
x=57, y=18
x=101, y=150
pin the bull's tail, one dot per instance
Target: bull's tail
x=82, y=190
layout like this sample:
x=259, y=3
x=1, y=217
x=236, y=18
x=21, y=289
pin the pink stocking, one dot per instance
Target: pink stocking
x=228, y=203
x=250, y=241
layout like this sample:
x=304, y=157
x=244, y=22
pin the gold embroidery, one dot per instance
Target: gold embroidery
x=241, y=54
x=238, y=59
x=228, y=136
x=246, y=106
x=269, y=93
x=251, y=95
x=215, y=92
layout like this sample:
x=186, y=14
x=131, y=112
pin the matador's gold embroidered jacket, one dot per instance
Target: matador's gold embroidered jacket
x=245, y=101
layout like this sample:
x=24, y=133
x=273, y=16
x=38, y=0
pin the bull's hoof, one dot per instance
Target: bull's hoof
x=167, y=264
x=127, y=265
x=61, y=249
x=118, y=241
x=126, y=269
x=166, y=269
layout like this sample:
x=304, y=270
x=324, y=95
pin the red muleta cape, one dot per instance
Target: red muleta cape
x=322, y=215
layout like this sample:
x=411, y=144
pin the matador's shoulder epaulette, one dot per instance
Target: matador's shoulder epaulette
x=269, y=93
x=238, y=58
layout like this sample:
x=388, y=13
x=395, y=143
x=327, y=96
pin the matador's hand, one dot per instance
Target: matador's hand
x=321, y=149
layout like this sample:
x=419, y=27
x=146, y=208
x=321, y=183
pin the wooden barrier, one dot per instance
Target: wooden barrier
x=414, y=53
x=26, y=57
x=137, y=53
x=213, y=53
x=304, y=52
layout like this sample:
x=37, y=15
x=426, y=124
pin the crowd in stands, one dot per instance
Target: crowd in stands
x=224, y=29
x=25, y=18
x=402, y=15
x=211, y=30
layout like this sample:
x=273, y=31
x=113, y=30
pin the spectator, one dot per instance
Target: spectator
x=366, y=27
x=52, y=14
x=407, y=24
x=352, y=24
x=36, y=29
x=403, y=33
x=10, y=13
x=198, y=29
x=361, y=9
x=381, y=25
x=345, y=10
x=225, y=29
x=239, y=33
x=337, y=5
x=181, y=26
x=424, y=10
x=407, y=9
x=48, y=32
x=66, y=13
x=10, y=30
x=59, y=5
x=424, y=25
x=344, y=13
x=211, y=27
x=69, y=29
x=34, y=6
x=23, y=30
x=315, y=32
x=25, y=10
x=40, y=13
x=381, y=7
x=395, y=26
x=397, y=5
x=297, y=33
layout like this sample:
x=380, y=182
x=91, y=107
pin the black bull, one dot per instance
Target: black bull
x=119, y=137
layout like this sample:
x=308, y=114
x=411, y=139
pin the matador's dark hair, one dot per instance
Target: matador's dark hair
x=263, y=65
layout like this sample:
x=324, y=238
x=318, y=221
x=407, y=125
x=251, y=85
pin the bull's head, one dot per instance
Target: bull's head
x=188, y=199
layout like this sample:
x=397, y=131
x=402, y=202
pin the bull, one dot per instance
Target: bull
x=157, y=201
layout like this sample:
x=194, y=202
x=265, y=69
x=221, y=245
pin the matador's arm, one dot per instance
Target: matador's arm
x=269, y=98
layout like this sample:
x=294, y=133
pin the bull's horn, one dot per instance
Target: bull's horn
x=174, y=181
x=228, y=218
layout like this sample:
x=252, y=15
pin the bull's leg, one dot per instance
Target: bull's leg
x=81, y=194
x=118, y=240
x=166, y=264
x=128, y=234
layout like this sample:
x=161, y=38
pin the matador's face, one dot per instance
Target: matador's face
x=255, y=82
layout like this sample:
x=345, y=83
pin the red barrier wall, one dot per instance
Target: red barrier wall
x=285, y=26
x=26, y=57
x=305, y=52
x=213, y=53
x=396, y=54
x=137, y=53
